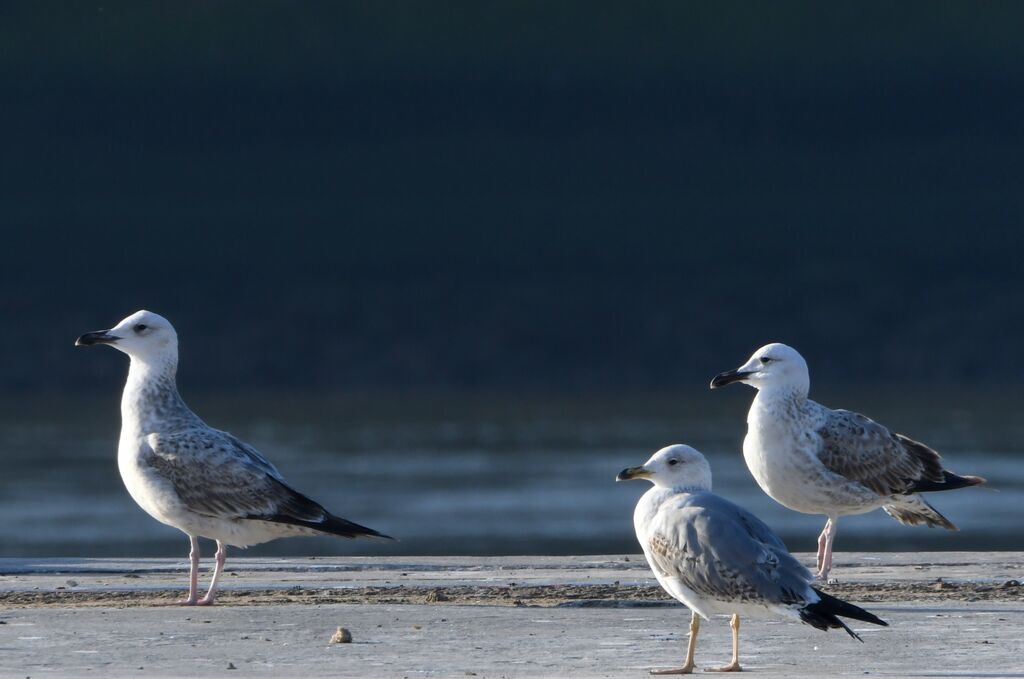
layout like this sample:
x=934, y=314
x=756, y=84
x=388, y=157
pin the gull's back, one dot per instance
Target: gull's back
x=720, y=558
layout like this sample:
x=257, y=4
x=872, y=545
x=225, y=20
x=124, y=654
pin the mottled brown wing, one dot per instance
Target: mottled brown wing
x=862, y=450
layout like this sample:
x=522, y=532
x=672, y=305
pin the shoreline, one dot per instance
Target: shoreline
x=598, y=580
x=543, y=596
x=949, y=614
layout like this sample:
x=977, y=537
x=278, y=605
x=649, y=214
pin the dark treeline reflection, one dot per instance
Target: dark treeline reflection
x=513, y=195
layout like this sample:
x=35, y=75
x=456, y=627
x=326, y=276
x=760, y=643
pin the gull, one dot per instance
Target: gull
x=719, y=559
x=816, y=460
x=204, y=482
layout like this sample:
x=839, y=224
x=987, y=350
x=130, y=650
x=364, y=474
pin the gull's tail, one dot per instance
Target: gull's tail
x=914, y=510
x=824, y=614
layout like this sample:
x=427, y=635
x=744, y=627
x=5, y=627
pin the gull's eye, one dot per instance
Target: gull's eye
x=673, y=462
x=140, y=327
x=765, y=360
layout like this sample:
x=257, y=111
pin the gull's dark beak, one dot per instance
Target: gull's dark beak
x=728, y=377
x=632, y=473
x=98, y=337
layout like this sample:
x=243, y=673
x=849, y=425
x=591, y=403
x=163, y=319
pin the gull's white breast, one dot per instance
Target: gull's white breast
x=780, y=450
x=643, y=522
x=151, y=491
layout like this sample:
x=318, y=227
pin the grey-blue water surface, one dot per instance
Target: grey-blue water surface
x=484, y=474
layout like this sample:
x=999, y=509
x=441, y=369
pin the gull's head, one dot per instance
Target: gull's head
x=773, y=366
x=144, y=335
x=676, y=466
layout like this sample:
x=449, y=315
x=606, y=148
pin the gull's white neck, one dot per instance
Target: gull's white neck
x=698, y=483
x=651, y=501
x=150, y=402
x=786, y=400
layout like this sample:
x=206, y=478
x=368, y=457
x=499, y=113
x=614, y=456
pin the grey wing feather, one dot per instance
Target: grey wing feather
x=251, y=454
x=860, y=449
x=721, y=551
x=217, y=475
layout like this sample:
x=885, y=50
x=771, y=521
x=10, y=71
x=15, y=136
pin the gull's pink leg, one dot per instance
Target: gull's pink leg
x=826, y=562
x=211, y=594
x=821, y=546
x=193, y=576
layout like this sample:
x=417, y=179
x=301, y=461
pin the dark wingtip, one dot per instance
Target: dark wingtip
x=824, y=614
x=950, y=481
x=335, y=525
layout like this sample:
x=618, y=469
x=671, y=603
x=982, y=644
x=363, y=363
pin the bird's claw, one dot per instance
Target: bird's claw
x=686, y=669
x=731, y=667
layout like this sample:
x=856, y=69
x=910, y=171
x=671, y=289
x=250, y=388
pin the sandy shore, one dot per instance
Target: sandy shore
x=477, y=595
x=950, y=614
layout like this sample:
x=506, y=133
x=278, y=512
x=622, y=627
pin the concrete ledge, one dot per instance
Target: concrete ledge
x=951, y=614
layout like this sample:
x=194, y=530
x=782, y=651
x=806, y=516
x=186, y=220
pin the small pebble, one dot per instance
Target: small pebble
x=341, y=636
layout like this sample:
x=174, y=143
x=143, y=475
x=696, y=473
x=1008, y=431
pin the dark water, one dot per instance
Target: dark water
x=485, y=475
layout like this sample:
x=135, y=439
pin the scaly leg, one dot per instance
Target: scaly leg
x=821, y=545
x=211, y=594
x=826, y=560
x=193, y=577
x=734, y=666
x=691, y=647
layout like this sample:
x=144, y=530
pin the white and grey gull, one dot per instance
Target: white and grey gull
x=717, y=558
x=200, y=480
x=816, y=460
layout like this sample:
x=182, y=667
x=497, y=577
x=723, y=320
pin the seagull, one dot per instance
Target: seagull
x=719, y=559
x=202, y=481
x=834, y=462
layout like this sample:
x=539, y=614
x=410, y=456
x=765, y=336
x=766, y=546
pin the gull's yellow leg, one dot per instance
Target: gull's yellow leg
x=734, y=666
x=691, y=647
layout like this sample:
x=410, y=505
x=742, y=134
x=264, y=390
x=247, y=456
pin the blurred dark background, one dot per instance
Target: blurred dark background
x=513, y=195
x=453, y=265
